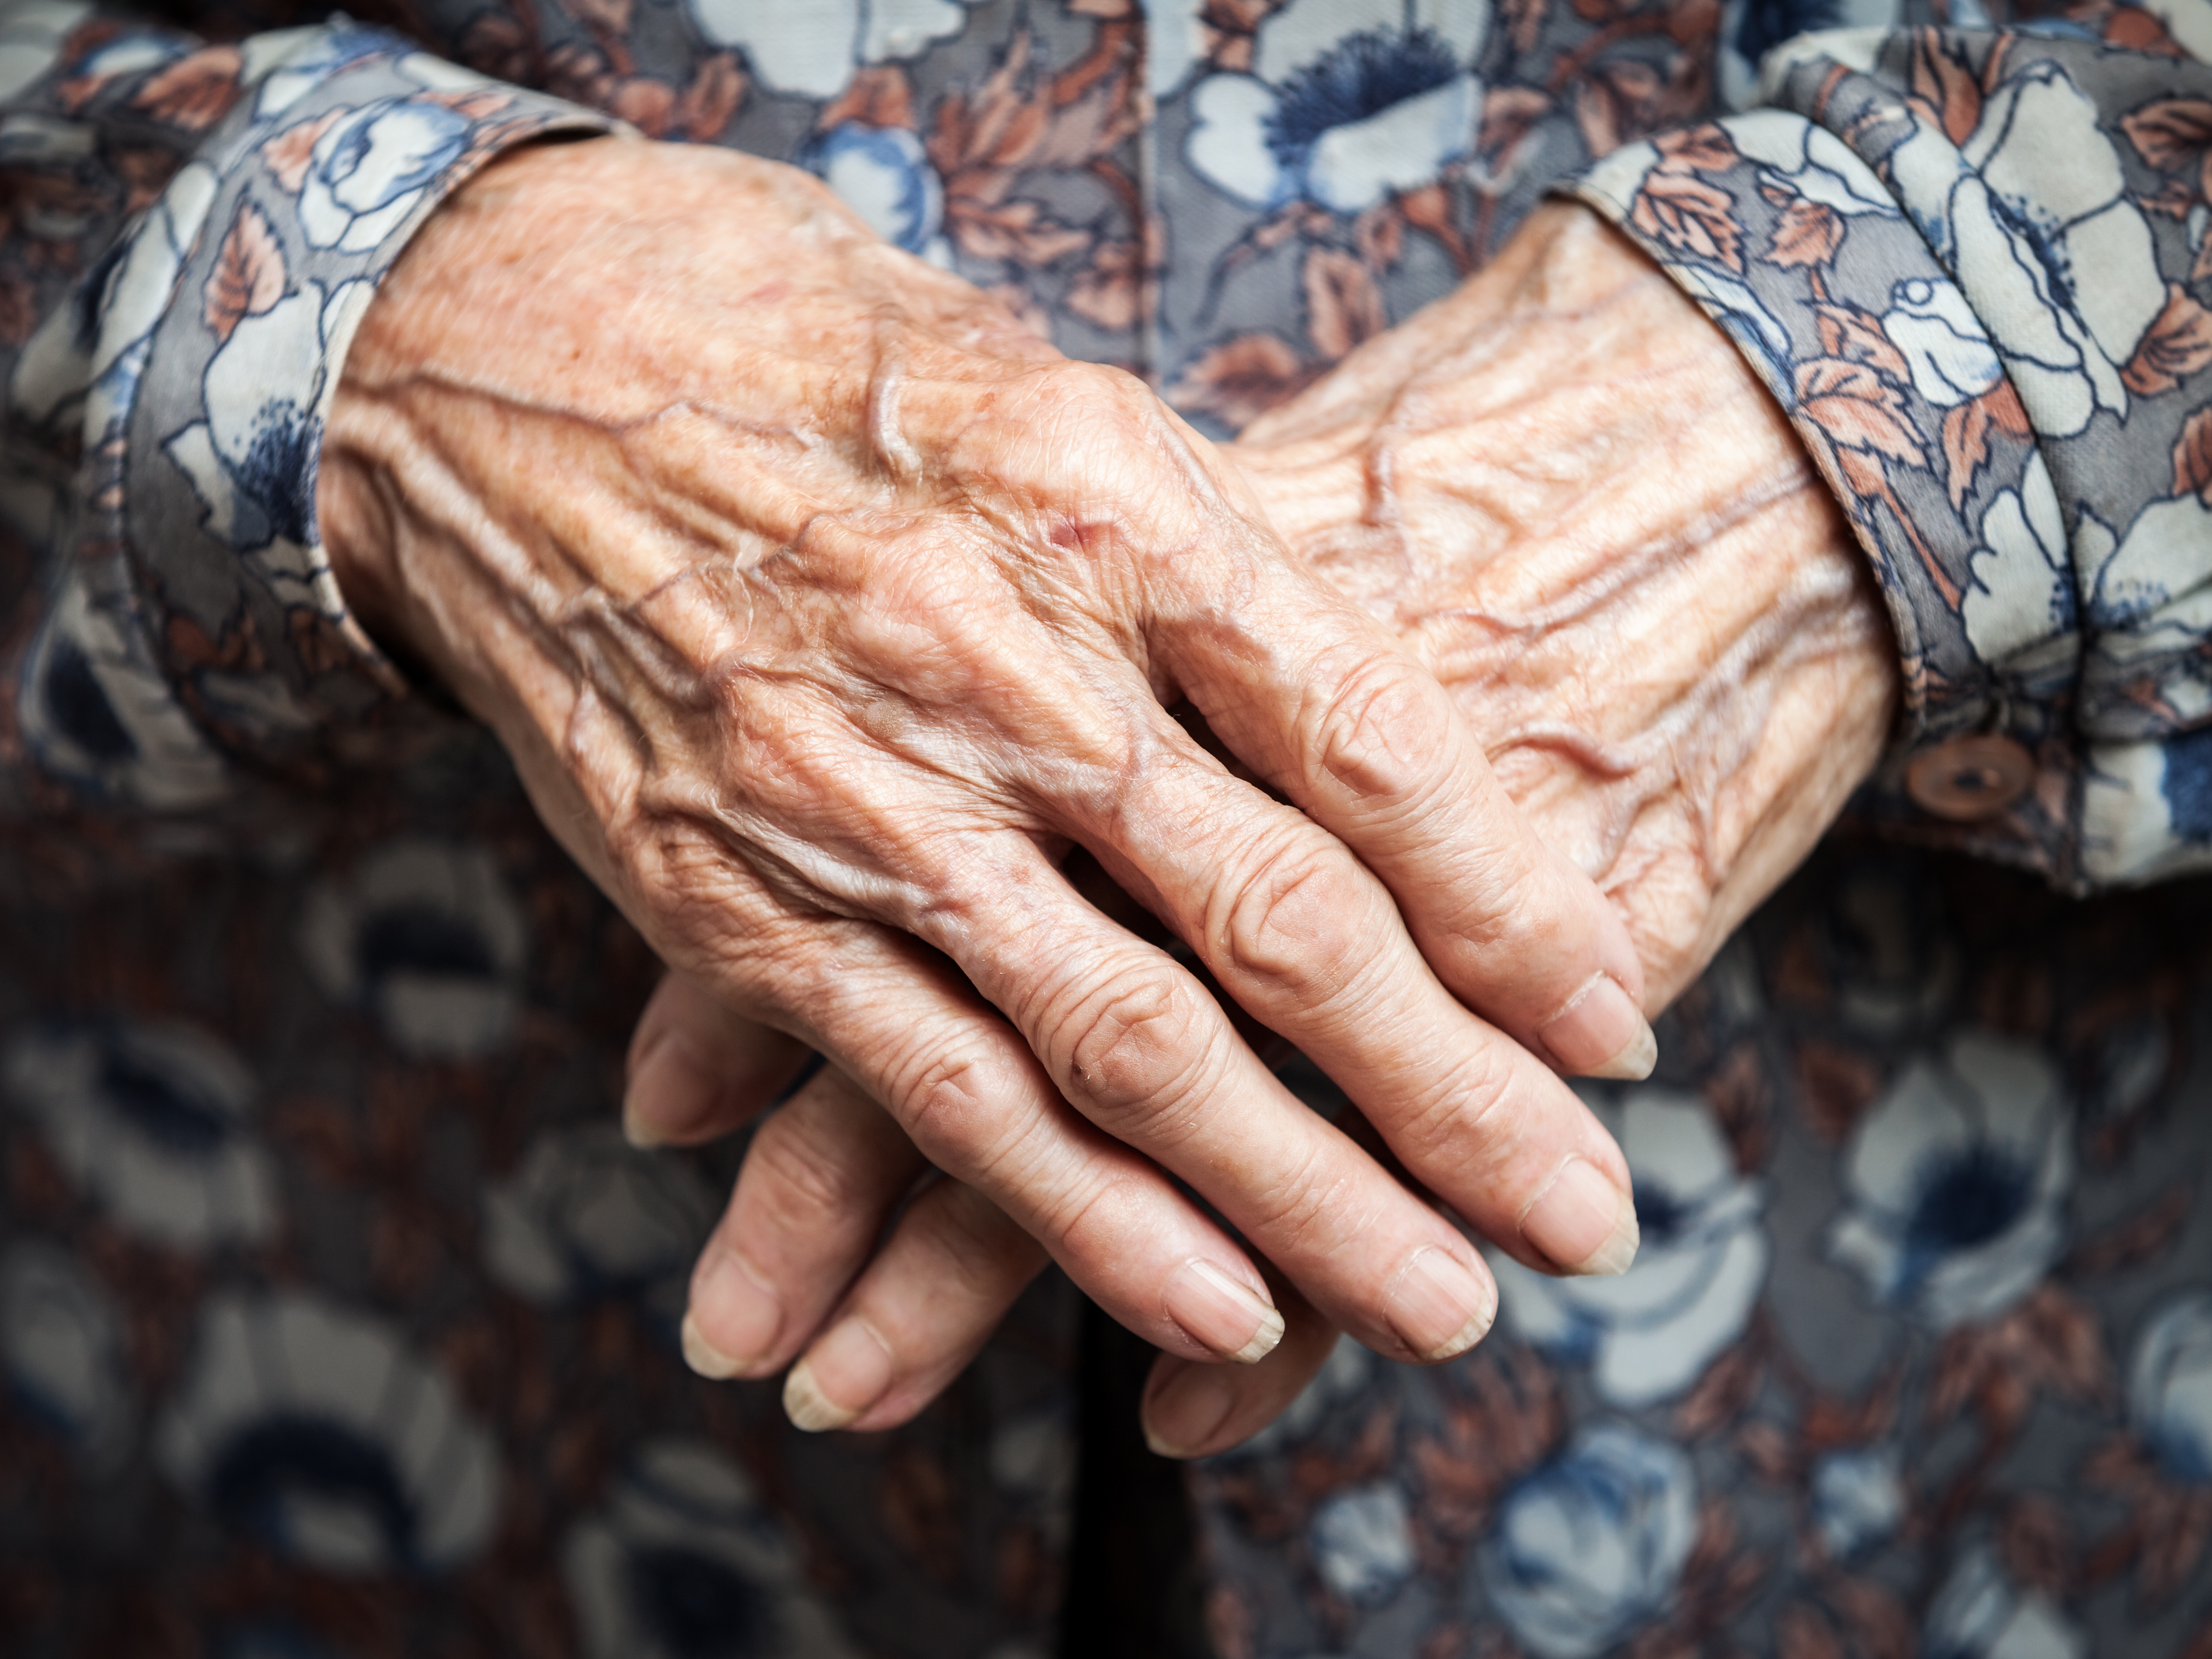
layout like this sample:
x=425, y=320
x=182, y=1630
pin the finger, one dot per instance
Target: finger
x=1303, y=936
x=1139, y=1048
x=1311, y=695
x=697, y=1070
x=1192, y=1410
x=822, y=1176
x=915, y=1036
x=952, y=1267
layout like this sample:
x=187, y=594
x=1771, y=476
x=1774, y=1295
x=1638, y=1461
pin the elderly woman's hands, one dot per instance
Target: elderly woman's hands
x=1566, y=492
x=823, y=608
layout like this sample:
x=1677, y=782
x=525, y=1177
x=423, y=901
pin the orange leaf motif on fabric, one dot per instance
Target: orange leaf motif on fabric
x=1967, y=431
x=195, y=92
x=1344, y=307
x=2193, y=457
x=1807, y=233
x=1690, y=216
x=1430, y=209
x=248, y=278
x=1706, y=149
x=1802, y=1633
x=1946, y=90
x=1241, y=379
x=1114, y=290
x=495, y=45
x=19, y=310
x=983, y=140
x=2177, y=345
x=1509, y=114
x=879, y=96
x=608, y=17
x=1858, y=409
x=291, y=152
x=2170, y=133
x=711, y=102
x=2174, y=135
x=1614, y=103
x=1855, y=335
x=646, y=102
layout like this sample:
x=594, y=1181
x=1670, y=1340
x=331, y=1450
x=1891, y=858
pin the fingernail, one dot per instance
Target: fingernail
x=669, y=1091
x=1582, y=1222
x=746, y=1316
x=1601, y=1033
x=840, y=1376
x=1438, y=1305
x=1222, y=1314
x=1188, y=1411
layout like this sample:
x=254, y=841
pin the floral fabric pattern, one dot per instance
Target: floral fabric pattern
x=336, y=1319
x=1990, y=333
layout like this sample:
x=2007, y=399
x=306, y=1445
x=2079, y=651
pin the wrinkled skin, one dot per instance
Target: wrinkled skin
x=823, y=609
x=1563, y=491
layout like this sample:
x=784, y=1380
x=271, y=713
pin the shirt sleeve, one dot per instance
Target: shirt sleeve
x=196, y=229
x=1973, y=267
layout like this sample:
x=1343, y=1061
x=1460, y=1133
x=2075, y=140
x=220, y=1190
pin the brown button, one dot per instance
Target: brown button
x=1970, y=778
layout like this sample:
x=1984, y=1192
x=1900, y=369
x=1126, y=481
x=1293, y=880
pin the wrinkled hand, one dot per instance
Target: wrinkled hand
x=823, y=608
x=1563, y=489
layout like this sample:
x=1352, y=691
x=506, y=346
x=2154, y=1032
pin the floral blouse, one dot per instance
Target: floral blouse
x=336, y=1318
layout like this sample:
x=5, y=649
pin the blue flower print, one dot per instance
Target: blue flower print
x=1650, y=1333
x=811, y=51
x=156, y=1121
x=1362, y=1543
x=287, y=65
x=1591, y=1546
x=684, y=1561
x=884, y=176
x=97, y=712
x=2058, y=261
x=253, y=461
x=586, y=1213
x=31, y=40
x=1979, y=1614
x=2170, y=1388
x=376, y=167
x=313, y=1430
x=1349, y=101
x=425, y=935
x=1958, y=1179
x=1858, y=1500
x=62, y=1354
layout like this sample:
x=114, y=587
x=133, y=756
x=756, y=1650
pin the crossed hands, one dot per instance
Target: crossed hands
x=837, y=626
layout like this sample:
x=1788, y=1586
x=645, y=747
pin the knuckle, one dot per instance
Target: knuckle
x=946, y=1101
x=1137, y=1045
x=1464, y=1124
x=1380, y=735
x=1514, y=910
x=1300, y=926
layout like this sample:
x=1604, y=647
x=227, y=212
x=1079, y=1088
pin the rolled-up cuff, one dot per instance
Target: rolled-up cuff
x=201, y=614
x=1795, y=248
